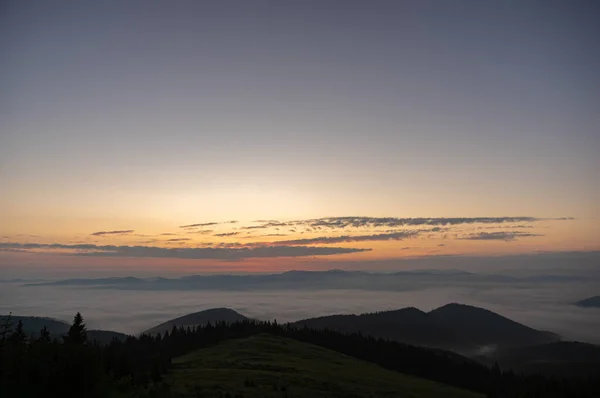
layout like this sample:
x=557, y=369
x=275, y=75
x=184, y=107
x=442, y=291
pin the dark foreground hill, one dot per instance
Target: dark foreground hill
x=453, y=326
x=564, y=358
x=224, y=359
x=33, y=324
x=267, y=366
x=589, y=302
x=201, y=318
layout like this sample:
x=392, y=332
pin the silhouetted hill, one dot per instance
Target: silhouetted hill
x=563, y=358
x=453, y=326
x=484, y=327
x=589, y=302
x=105, y=336
x=199, y=318
x=33, y=324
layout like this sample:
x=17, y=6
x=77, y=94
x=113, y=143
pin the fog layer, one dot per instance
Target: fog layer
x=546, y=306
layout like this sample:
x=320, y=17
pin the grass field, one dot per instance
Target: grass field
x=269, y=366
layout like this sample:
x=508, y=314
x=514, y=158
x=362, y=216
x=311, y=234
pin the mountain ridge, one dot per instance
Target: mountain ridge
x=304, y=280
x=453, y=326
x=199, y=318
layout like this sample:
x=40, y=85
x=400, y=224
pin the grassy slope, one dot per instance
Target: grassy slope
x=279, y=367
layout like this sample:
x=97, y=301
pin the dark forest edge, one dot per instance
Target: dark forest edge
x=74, y=366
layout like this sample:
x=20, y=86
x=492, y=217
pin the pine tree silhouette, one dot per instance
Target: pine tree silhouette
x=6, y=327
x=44, y=335
x=77, y=332
x=19, y=334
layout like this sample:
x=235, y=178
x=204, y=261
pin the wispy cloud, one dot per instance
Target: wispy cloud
x=348, y=238
x=227, y=234
x=201, y=232
x=208, y=224
x=218, y=253
x=255, y=227
x=120, y=232
x=204, y=224
x=356, y=222
x=507, y=236
x=390, y=222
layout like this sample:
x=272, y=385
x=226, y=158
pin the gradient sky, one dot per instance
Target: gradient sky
x=147, y=116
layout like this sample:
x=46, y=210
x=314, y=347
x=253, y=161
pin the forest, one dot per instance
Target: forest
x=75, y=366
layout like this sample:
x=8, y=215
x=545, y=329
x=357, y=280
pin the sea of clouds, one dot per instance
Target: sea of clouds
x=546, y=306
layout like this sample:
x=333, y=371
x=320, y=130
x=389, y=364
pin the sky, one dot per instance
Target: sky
x=324, y=129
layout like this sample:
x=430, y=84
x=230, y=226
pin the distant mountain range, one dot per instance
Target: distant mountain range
x=454, y=326
x=33, y=324
x=308, y=280
x=461, y=328
x=589, y=302
x=199, y=319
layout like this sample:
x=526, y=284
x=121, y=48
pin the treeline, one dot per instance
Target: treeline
x=75, y=366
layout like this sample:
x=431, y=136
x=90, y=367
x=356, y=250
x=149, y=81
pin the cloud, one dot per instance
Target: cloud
x=216, y=253
x=259, y=236
x=442, y=245
x=275, y=224
x=208, y=224
x=201, y=232
x=502, y=235
x=390, y=222
x=205, y=224
x=227, y=234
x=177, y=239
x=347, y=238
x=121, y=232
x=168, y=234
x=487, y=227
x=357, y=222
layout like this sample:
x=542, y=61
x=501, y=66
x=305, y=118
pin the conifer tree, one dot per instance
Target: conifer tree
x=44, y=335
x=19, y=335
x=6, y=327
x=77, y=332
